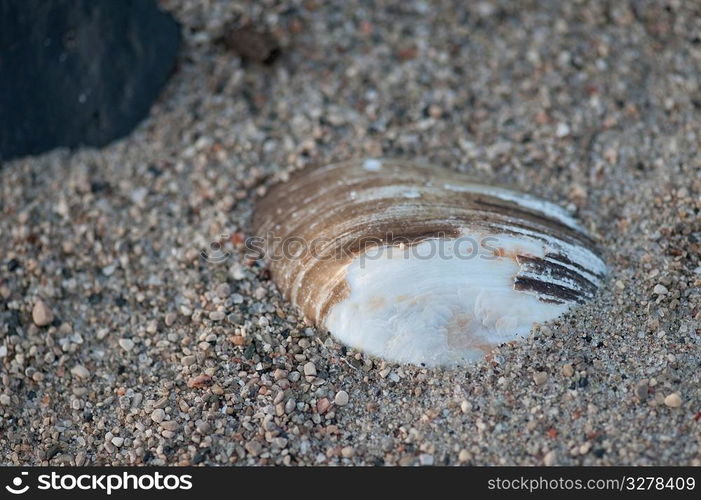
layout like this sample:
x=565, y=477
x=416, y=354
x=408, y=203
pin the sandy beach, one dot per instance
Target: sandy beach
x=120, y=344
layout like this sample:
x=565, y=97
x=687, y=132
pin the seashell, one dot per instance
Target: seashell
x=416, y=263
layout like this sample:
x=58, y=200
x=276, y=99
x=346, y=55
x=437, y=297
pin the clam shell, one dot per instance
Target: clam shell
x=417, y=264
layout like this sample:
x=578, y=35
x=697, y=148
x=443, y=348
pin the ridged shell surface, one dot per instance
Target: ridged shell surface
x=416, y=264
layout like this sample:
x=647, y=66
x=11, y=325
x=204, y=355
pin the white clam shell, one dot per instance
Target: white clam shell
x=416, y=264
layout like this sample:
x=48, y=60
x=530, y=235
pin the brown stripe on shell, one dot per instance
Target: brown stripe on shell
x=550, y=291
x=565, y=260
x=554, y=281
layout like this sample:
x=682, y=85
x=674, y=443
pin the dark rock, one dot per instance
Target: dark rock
x=52, y=451
x=201, y=456
x=13, y=321
x=79, y=72
x=251, y=44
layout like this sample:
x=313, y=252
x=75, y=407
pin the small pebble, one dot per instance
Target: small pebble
x=152, y=327
x=217, y=315
x=117, y=441
x=280, y=442
x=254, y=448
x=200, y=381
x=170, y=425
x=641, y=390
x=341, y=398
x=540, y=378
x=563, y=130
x=41, y=314
x=158, y=415
x=322, y=406
x=290, y=405
x=660, y=289
x=170, y=319
x=348, y=452
x=568, y=370
x=80, y=371
x=223, y=290
x=673, y=400
x=310, y=370
x=126, y=344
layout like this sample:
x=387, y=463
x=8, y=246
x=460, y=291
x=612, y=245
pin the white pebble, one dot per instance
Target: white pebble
x=170, y=319
x=126, y=344
x=41, y=314
x=290, y=405
x=223, y=290
x=673, y=400
x=540, y=378
x=372, y=165
x=563, y=130
x=310, y=369
x=158, y=415
x=217, y=315
x=80, y=371
x=341, y=398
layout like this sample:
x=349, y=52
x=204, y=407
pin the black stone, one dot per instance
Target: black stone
x=53, y=451
x=79, y=72
x=201, y=456
x=14, y=321
x=249, y=351
x=250, y=43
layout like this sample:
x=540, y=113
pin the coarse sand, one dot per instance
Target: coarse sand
x=120, y=343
